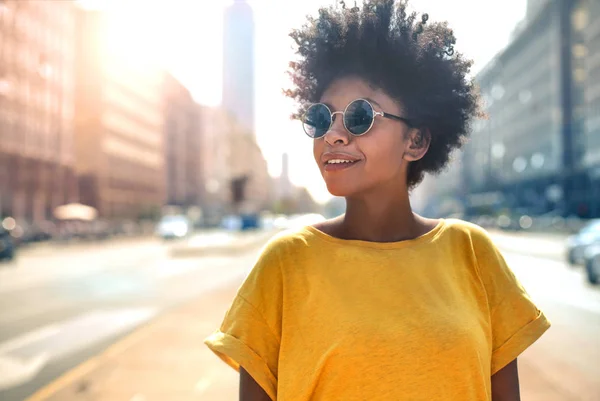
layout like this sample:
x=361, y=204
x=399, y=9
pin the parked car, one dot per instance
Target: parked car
x=591, y=259
x=250, y=221
x=232, y=223
x=7, y=245
x=577, y=244
x=171, y=227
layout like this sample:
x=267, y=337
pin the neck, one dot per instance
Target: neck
x=381, y=217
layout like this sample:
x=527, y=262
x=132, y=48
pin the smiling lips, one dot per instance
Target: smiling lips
x=337, y=162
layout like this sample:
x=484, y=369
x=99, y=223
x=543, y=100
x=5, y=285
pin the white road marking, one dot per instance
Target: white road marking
x=23, y=357
x=29, y=338
x=16, y=371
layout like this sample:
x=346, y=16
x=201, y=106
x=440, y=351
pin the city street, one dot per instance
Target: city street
x=61, y=308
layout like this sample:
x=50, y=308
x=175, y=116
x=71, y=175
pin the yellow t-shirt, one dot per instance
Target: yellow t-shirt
x=320, y=318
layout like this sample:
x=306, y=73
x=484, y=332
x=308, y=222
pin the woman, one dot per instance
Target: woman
x=380, y=303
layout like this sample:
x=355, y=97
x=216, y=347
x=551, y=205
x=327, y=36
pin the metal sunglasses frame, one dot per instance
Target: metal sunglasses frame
x=343, y=113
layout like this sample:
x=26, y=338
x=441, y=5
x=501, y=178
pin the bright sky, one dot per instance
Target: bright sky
x=186, y=35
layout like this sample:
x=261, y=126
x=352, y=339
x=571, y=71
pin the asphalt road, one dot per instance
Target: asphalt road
x=60, y=307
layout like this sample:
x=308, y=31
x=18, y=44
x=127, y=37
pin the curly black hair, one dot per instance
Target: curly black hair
x=410, y=59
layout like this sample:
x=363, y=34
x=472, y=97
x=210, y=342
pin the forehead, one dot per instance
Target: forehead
x=344, y=90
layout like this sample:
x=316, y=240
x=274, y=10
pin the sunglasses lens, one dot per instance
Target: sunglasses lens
x=317, y=120
x=359, y=117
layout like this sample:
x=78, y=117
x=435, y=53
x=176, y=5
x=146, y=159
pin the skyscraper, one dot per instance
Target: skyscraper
x=534, y=7
x=238, y=63
x=285, y=185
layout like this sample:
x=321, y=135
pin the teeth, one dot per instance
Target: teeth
x=337, y=161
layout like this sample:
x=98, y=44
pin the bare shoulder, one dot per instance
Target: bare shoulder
x=330, y=227
x=425, y=224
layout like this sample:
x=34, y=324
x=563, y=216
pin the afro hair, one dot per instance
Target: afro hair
x=409, y=58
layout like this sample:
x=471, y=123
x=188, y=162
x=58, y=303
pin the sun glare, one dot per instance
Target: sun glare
x=132, y=38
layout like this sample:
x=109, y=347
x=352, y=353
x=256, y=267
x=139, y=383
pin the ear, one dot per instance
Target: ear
x=417, y=145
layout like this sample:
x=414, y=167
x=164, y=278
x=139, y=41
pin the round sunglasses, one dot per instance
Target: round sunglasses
x=358, y=117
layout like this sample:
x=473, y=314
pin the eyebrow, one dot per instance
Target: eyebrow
x=372, y=101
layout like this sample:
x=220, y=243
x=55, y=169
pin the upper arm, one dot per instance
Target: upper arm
x=515, y=321
x=250, y=390
x=250, y=335
x=505, y=383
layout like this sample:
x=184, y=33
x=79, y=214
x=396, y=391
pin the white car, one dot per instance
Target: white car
x=592, y=263
x=171, y=227
x=576, y=244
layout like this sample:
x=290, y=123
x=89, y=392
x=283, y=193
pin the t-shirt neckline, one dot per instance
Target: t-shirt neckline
x=425, y=238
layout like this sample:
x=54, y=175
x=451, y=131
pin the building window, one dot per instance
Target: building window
x=579, y=51
x=580, y=18
x=519, y=164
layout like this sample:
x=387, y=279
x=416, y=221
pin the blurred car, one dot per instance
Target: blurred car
x=7, y=245
x=591, y=258
x=232, y=223
x=577, y=244
x=250, y=221
x=171, y=227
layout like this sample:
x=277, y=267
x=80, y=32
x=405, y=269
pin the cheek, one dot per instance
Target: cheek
x=317, y=149
x=384, y=158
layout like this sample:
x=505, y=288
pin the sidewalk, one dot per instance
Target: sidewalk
x=219, y=242
x=543, y=245
x=167, y=360
x=53, y=247
x=164, y=360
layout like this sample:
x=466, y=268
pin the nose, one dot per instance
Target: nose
x=337, y=134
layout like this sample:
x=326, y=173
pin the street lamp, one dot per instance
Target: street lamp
x=5, y=86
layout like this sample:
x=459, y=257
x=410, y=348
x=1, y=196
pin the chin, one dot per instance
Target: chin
x=340, y=189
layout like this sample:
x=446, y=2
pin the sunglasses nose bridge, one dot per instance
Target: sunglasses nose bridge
x=338, y=120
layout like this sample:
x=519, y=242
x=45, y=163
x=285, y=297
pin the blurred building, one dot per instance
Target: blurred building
x=288, y=198
x=586, y=24
x=336, y=206
x=519, y=144
x=36, y=108
x=284, y=185
x=443, y=194
x=535, y=150
x=534, y=7
x=238, y=63
x=118, y=125
x=248, y=164
x=231, y=159
x=214, y=158
x=182, y=146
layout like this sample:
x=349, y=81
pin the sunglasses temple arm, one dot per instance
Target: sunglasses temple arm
x=393, y=117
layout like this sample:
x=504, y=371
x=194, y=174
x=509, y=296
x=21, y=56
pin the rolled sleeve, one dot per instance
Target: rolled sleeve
x=516, y=321
x=519, y=342
x=250, y=334
x=236, y=353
